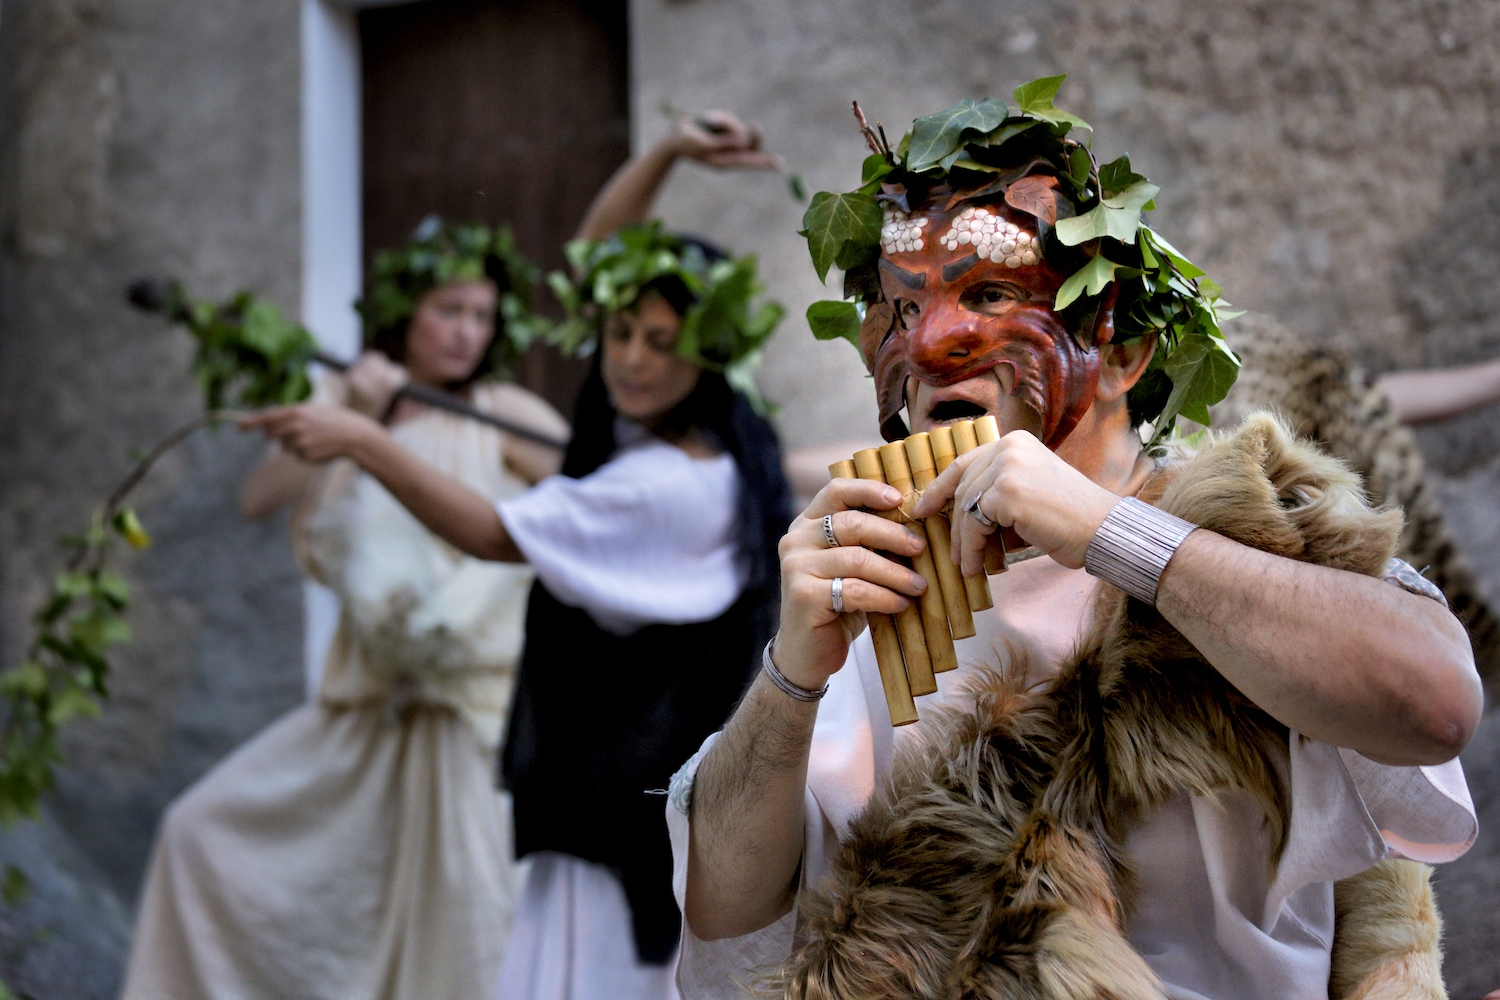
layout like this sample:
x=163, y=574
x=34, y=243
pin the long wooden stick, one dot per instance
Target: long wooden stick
x=909, y=622
x=961, y=439
x=939, y=540
x=930, y=604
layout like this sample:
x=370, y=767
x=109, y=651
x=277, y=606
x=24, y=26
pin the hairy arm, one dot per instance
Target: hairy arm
x=449, y=508
x=1342, y=658
x=746, y=823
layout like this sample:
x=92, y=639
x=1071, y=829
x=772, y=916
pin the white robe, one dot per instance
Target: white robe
x=357, y=849
x=648, y=537
x=1206, y=919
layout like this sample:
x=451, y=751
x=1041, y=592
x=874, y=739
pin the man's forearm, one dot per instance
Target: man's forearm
x=447, y=507
x=747, y=817
x=1342, y=658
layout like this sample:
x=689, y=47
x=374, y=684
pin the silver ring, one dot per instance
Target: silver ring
x=838, y=595
x=833, y=542
x=973, y=508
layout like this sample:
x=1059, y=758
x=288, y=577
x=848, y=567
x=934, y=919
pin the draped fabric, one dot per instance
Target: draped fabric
x=357, y=849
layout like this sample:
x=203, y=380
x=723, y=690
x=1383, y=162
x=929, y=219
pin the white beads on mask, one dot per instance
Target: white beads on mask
x=993, y=237
x=900, y=233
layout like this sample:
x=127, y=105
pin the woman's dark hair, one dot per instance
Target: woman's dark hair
x=765, y=500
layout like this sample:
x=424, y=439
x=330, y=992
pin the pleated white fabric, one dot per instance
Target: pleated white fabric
x=358, y=849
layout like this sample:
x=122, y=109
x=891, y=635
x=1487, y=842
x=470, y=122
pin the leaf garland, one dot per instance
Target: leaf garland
x=722, y=331
x=440, y=253
x=984, y=148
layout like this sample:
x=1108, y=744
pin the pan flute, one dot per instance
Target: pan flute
x=913, y=647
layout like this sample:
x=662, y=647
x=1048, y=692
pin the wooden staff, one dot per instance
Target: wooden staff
x=930, y=605
x=939, y=540
x=961, y=439
x=919, y=676
x=898, y=697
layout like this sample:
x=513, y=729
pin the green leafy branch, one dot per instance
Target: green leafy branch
x=247, y=353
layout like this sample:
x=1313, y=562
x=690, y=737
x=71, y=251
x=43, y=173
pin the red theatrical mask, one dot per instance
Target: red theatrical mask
x=967, y=290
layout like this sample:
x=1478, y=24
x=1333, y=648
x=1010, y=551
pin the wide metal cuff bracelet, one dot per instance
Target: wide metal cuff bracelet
x=785, y=686
x=1132, y=547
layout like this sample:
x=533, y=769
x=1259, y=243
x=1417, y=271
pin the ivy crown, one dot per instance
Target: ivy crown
x=441, y=253
x=1087, y=213
x=722, y=330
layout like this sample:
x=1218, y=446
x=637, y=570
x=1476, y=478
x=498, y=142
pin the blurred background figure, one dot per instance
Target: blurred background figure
x=357, y=847
x=655, y=553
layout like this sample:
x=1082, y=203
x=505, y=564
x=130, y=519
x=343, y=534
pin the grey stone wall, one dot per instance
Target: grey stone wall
x=155, y=137
x=1331, y=162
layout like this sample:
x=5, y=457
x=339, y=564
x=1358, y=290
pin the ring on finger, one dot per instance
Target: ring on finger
x=979, y=515
x=837, y=591
x=828, y=534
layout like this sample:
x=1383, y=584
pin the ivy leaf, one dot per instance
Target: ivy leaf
x=841, y=228
x=936, y=136
x=1116, y=175
x=1117, y=217
x=1202, y=368
x=1035, y=99
x=71, y=702
x=1092, y=277
x=1184, y=266
x=831, y=320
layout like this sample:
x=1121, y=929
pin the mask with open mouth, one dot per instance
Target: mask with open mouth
x=966, y=289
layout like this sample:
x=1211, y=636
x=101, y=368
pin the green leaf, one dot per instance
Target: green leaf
x=1202, y=368
x=1117, y=217
x=1184, y=266
x=72, y=702
x=14, y=885
x=874, y=168
x=795, y=185
x=27, y=680
x=936, y=136
x=831, y=320
x=1116, y=175
x=1035, y=99
x=842, y=228
x=1093, y=278
x=129, y=526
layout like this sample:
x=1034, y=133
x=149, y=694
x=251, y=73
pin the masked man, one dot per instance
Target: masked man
x=994, y=269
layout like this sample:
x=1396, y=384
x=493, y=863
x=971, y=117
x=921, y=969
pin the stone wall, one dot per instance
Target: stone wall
x=1331, y=162
x=137, y=137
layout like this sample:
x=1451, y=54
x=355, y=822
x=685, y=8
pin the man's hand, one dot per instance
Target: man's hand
x=373, y=381
x=719, y=139
x=1022, y=485
x=814, y=640
x=315, y=433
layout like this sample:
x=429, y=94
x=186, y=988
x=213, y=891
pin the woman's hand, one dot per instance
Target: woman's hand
x=719, y=139
x=316, y=433
x=814, y=640
x=1022, y=485
x=373, y=382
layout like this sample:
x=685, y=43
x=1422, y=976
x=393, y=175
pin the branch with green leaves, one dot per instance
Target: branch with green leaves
x=248, y=355
x=1023, y=152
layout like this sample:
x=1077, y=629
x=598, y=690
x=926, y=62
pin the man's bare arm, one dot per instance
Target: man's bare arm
x=1343, y=658
x=746, y=820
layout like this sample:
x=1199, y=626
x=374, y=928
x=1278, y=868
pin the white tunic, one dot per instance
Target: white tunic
x=650, y=537
x=1207, y=919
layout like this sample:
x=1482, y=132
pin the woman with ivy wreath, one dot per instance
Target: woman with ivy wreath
x=655, y=553
x=357, y=847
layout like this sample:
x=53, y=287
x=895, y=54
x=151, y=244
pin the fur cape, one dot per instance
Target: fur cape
x=991, y=867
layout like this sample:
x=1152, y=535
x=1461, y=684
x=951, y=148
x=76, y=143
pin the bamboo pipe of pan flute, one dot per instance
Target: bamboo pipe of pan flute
x=950, y=579
x=898, y=697
x=930, y=605
x=987, y=431
x=919, y=674
x=959, y=439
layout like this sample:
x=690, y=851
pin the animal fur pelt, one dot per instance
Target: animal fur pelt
x=991, y=867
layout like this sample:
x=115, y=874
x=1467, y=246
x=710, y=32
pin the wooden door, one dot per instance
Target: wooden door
x=510, y=111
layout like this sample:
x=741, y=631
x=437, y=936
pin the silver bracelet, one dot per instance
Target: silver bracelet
x=783, y=685
x=1132, y=547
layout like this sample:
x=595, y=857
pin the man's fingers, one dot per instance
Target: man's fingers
x=861, y=595
x=856, y=527
x=937, y=494
x=826, y=564
x=847, y=494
